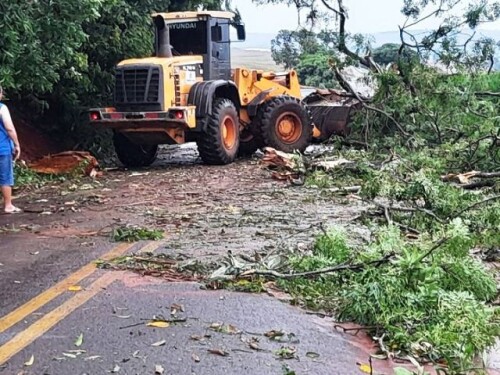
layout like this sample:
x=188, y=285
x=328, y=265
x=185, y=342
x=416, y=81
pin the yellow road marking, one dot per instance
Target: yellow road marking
x=41, y=326
x=62, y=286
x=149, y=247
x=45, y=323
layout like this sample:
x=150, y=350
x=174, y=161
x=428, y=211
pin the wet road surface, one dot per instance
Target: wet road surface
x=51, y=292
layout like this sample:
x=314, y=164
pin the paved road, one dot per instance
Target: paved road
x=47, y=326
x=204, y=211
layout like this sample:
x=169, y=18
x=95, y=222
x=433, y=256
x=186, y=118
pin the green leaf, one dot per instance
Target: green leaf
x=402, y=371
x=79, y=340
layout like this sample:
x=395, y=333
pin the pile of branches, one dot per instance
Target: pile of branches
x=421, y=285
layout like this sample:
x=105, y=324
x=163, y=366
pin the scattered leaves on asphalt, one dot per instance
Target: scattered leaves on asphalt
x=134, y=234
x=79, y=340
x=274, y=333
x=279, y=336
x=69, y=355
x=159, y=343
x=253, y=343
x=30, y=361
x=224, y=328
x=367, y=369
x=220, y=352
x=175, y=308
x=200, y=338
x=288, y=371
x=92, y=358
x=77, y=351
x=156, y=265
x=159, y=370
x=123, y=316
x=312, y=355
x=158, y=324
x=115, y=370
x=195, y=357
x=286, y=352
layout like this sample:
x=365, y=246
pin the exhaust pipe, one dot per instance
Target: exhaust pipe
x=163, y=48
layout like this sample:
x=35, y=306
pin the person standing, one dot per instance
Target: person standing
x=10, y=150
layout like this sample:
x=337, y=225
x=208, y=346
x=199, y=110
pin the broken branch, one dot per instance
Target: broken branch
x=339, y=268
x=477, y=204
x=434, y=248
x=488, y=93
x=408, y=209
x=344, y=83
x=466, y=176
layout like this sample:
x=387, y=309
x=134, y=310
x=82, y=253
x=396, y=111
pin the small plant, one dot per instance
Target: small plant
x=134, y=234
x=319, y=179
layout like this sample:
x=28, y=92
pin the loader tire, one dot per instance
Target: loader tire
x=132, y=154
x=285, y=124
x=219, y=143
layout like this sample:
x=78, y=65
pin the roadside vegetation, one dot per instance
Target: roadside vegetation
x=424, y=154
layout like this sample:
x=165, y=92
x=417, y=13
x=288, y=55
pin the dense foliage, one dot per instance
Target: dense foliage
x=307, y=52
x=434, y=118
x=432, y=308
x=58, y=56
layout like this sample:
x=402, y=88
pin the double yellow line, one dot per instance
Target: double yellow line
x=46, y=322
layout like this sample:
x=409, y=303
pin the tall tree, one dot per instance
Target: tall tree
x=63, y=51
x=444, y=42
x=308, y=52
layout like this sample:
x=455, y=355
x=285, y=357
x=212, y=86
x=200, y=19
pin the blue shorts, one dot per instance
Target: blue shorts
x=6, y=170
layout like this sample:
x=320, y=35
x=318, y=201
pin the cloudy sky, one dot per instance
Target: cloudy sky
x=365, y=16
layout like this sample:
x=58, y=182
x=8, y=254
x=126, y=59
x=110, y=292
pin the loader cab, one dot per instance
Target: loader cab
x=205, y=34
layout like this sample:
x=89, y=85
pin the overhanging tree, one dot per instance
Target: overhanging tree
x=61, y=53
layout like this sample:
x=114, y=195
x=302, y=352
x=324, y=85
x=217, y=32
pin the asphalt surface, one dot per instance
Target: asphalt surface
x=51, y=293
x=131, y=349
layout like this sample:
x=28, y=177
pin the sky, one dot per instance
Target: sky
x=365, y=16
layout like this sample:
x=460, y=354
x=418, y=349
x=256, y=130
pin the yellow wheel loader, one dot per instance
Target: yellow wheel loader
x=188, y=92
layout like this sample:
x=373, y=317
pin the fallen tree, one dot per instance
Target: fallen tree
x=425, y=152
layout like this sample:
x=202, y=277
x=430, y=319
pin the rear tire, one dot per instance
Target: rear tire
x=285, y=124
x=132, y=154
x=219, y=143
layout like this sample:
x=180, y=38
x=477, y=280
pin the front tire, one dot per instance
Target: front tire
x=285, y=124
x=132, y=154
x=219, y=143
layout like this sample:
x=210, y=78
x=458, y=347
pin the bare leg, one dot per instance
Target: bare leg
x=7, y=198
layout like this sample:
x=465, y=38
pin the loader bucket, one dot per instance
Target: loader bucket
x=331, y=111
